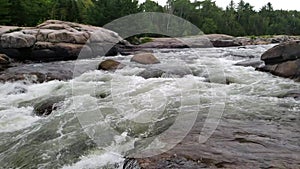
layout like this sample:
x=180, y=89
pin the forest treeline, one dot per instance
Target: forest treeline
x=237, y=19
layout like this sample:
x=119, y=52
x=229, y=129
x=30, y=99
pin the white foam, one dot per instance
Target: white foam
x=13, y=119
x=95, y=161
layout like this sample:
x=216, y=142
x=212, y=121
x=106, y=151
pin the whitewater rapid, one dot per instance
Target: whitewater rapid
x=104, y=116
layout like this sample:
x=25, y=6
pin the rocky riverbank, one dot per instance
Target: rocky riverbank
x=56, y=40
x=215, y=40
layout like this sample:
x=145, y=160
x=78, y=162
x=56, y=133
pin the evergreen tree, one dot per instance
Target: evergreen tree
x=4, y=12
x=151, y=6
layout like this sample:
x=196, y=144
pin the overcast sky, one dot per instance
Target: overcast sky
x=277, y=4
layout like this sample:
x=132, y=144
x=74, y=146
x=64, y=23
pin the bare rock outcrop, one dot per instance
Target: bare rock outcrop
x=58, y=40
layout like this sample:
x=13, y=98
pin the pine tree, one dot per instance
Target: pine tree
x=4, y=12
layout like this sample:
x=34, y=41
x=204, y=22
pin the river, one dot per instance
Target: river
x=203, y=107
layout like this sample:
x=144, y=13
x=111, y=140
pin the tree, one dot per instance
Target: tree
x=151, y=6
x=71, y=10
x=4, y=12
x=244, y=11
x=181, y=8
x=105, y=11
x=28, y=12
x=230, y=24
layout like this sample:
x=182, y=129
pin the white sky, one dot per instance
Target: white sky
x=277, y=4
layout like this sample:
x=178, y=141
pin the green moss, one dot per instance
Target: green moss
x=146, y=40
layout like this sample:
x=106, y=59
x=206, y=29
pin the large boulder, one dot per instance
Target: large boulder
x=283, y=60
x=145, y=58
x=17, y=40
x=282, y=52
x=58, y=40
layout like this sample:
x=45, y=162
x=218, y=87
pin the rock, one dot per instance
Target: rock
x=251, y=63
x=17, y=40
x=56, y=40
x=46, y=106
x=218, y=37
x=225, y=43
x=65, y=36
x=151, y=73
x=164, y=43
x=4, y=62
x=4, y=59
x=17, y=90
x=167, y=70
x=197, y=42
x=292, y=93
x=283, y=60
x=283, y=52
x=288, y=69
x=43, y=72
x=145, y=58
x=110, y=64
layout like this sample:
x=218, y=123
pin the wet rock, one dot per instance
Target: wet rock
x=145, y=58
x=233, y=145
x=43, y=72
x=167, y=70
x=251, y=63
x=131, y=164
x=4, y=59
x=110, y=64
x=293, y=94
x=288, y=69
x=18, y=90
x=4, y=62
x=46, y=106
x=283, y=60
x=151, y=73
x=281, y=53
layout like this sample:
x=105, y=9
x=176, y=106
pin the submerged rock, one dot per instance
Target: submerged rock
x=165, y=71
x=293, y=93
x=145, y=58
x=151, y=73
x=283, y=60
x=251, y=63
x=110, y=64
x=46, y=106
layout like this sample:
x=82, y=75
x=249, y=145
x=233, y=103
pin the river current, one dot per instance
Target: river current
x=102, y=117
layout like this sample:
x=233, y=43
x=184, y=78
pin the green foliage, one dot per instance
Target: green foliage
x=4, y=12
x=146, y=40
x=105, y=11
x=237, y=19
x=151, y=6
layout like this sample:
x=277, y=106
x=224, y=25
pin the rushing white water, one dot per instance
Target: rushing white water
x=102, y=116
